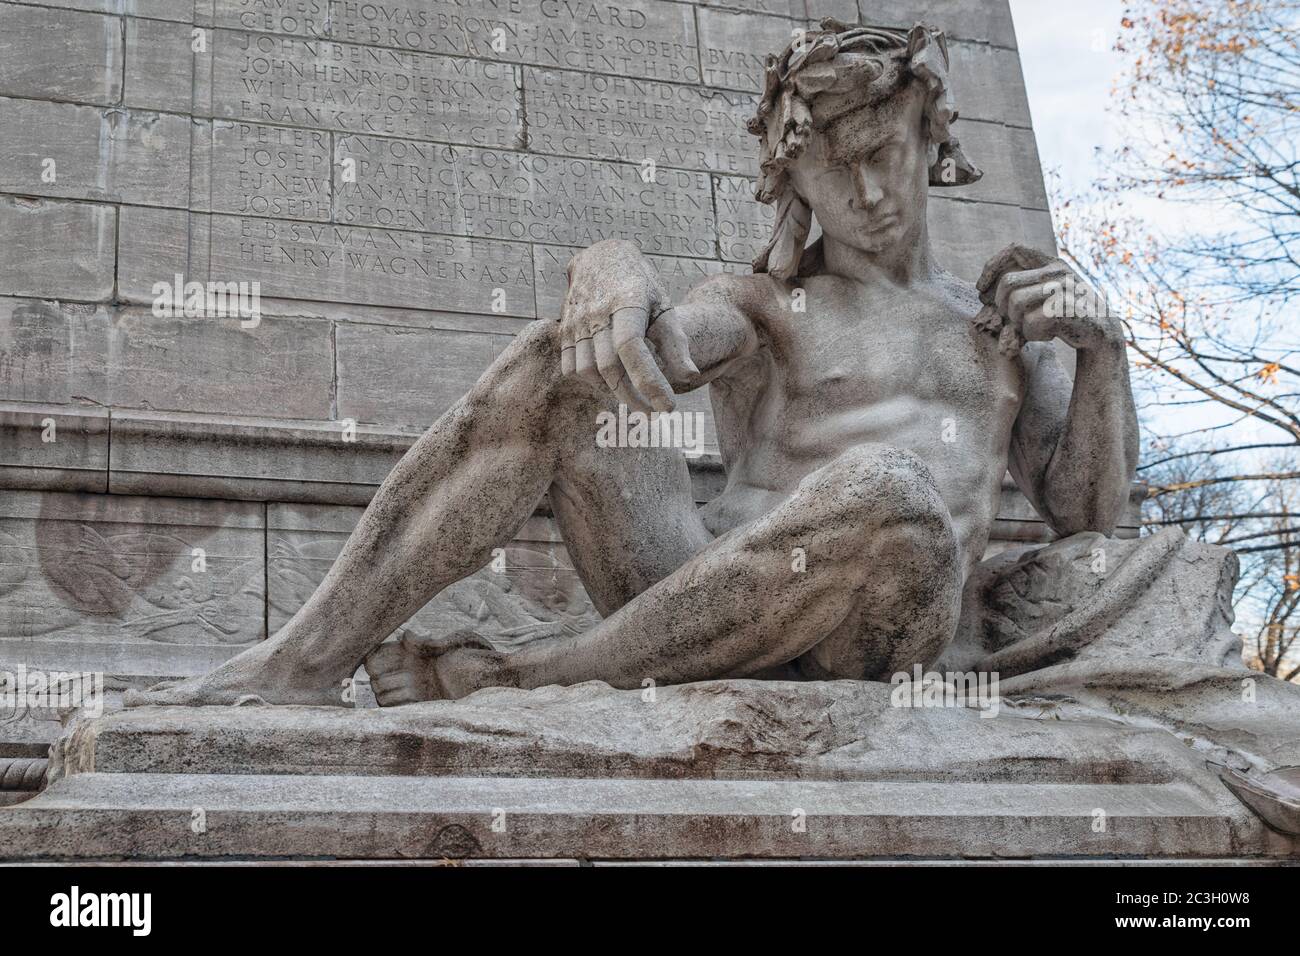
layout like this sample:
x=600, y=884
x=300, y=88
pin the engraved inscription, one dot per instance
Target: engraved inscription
x=507, y=195
x=324, y=85
x=734, y=46
x=679, y=274
x=615, y=117
x=270, y=171
x=300, y=260
x=744, y=224
x=649, y=38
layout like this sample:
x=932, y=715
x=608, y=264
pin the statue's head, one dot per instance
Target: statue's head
x=855, y=125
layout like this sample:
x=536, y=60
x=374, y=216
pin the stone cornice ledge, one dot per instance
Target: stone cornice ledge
x=182, y=454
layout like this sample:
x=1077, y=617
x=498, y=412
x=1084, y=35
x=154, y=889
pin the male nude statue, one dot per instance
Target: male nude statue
x=870, y=428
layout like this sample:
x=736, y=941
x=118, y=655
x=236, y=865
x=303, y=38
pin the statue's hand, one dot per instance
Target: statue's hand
x=1031, y=296
x=614, y=295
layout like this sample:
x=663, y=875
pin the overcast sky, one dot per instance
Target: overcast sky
x=1070, y=67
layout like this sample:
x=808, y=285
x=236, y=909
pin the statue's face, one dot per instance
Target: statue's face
x=865, y=176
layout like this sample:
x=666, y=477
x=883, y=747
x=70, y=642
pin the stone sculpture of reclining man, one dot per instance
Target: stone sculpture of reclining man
x=870, y=428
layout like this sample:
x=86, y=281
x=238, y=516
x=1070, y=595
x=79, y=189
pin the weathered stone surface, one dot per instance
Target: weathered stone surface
x=411, y=376
x=846, y=11
x=160, y=65
x=631, y=119
x=60, y=54
x=733, y=45
x=654, y=38
x=100, y=154
x=54, y=447
x=988, y=84
x=995, y=225
x=988, y=20
x=257, y=170
x=156, y=246
x=410, y=318
x=57, y=249
x=131, y=358
x=744, y=226
x=837, y=730
x=496, y=194
x=54, y=353
x=1009, y=157
x=364, y=89
x=712, y=770
x=190, y=455
x=281, y=368
x=144, y=8
x=378, y=266
x=148, y=816
x=250, y=459
x=1090, y=598
x=791, y=9
x=326, y=262
x=407, y=376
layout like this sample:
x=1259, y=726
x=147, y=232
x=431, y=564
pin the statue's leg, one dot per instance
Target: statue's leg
x=463, y=489
x=857, y=575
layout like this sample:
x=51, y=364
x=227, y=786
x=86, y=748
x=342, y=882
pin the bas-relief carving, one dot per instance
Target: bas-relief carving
x=103, y=570
x=529, y=591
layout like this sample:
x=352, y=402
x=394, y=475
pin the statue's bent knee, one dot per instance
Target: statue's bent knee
x=882, y=484
x=529, y=366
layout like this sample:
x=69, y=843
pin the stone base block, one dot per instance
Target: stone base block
x=732, y=770
x=170, y=816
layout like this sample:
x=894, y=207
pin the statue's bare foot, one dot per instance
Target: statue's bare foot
x=250, y=678
x=413, y=668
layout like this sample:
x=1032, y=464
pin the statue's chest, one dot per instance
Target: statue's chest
x=929, y=357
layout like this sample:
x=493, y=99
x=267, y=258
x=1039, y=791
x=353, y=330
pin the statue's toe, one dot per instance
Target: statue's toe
x=161, y=694
x=401, y=671
x=387, y=658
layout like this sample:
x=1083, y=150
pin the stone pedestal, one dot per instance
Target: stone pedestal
x=719, y=770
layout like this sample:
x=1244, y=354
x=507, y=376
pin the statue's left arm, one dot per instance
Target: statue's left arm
x=1074, y=444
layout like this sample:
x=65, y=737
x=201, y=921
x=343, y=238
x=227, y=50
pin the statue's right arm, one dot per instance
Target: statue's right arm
x=620, y=332
x=704, y=336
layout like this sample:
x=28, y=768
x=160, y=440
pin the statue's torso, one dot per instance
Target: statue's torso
x=902, y=367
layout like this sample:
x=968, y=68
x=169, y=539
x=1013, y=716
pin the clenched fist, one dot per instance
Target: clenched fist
x=1031, y=296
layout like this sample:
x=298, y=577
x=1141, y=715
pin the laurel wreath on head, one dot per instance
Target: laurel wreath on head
x=816, y=63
